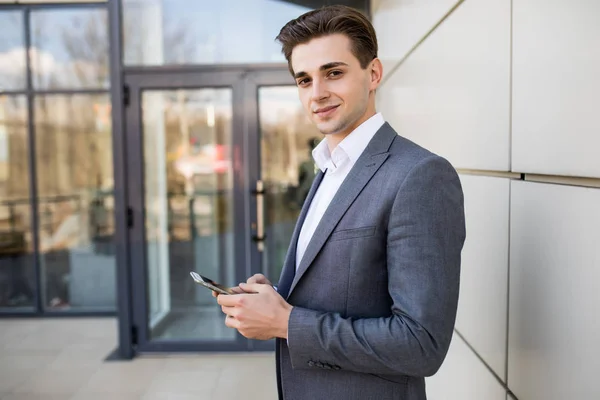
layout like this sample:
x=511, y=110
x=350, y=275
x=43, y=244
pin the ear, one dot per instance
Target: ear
x=376, y=73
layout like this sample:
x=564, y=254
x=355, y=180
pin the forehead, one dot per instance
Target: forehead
x=308, y=57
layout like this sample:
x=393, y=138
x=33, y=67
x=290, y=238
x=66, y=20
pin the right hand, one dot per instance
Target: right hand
x=256, y=278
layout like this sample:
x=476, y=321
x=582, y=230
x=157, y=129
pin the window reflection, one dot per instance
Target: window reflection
x=188, y=194
x=69, y=49
x=161, y=32
x=158, y=32
x=76, y=203
x=12, y=51
x=16, y=261
x=54, y=1
x=287, y=140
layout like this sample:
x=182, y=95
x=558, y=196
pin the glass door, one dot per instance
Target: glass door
x=219, y=166
x=186, y=193
x=189, y=208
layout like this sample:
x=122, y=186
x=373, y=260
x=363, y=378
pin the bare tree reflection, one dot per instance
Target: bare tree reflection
x=88, y=49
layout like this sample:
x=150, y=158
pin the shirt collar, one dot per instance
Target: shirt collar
x=321, y=155
x=353, y=145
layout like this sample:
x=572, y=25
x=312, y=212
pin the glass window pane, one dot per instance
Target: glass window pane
x=69, y=49
x=287, y=168
x=189, y=209
x=17, y=285
x=58, y=1
x=159, y=32
x=13, y=67
x=76, y=201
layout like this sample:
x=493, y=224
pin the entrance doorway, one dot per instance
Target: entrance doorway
x=219, y=163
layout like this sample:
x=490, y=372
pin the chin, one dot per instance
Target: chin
x=329, y=127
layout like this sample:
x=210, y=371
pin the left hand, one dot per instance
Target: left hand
x=261, y=313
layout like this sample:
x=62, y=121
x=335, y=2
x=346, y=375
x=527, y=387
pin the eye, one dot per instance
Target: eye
x=335, y=73
x=303, y=82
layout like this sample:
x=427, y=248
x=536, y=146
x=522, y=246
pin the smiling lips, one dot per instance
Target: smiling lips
x=325, y=111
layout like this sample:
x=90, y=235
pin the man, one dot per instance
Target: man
x=366, y=303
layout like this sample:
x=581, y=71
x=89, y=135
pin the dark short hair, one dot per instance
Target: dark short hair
x=331, y=20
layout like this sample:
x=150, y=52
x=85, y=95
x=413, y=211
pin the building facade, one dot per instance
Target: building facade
x=144, y=139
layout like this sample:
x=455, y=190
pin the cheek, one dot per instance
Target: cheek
x=346, y=90
x=359, y=93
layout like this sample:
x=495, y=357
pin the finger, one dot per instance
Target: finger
x=242, y=290
x=237, y=290
x=232, y=300
x=256, y=278
x=230, y=311
x=231, y=322
x=228, y=300
x=255, y=287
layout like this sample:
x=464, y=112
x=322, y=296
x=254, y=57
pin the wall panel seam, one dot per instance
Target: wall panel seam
x=418, y=44
x=579, y=181
x=510, y=90
x=486, y=365
x=507, y=315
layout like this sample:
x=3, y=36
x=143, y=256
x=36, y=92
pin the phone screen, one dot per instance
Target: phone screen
x=210, y=284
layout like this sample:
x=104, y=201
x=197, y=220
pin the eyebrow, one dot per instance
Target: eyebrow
x=323, y=67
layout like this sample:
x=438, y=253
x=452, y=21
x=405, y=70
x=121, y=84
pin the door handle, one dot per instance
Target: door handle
x=259, y=238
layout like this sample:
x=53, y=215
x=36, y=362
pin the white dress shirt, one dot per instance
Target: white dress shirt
x=336, y=166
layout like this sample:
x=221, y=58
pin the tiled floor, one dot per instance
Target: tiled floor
x=63, y=359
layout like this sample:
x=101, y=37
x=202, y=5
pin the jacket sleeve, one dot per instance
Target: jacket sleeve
x=425, y=236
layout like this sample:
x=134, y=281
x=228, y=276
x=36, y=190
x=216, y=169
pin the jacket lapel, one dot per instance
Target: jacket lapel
x=368, y=163
x=289, y=266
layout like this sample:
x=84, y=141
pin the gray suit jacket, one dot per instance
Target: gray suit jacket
x=376, y=293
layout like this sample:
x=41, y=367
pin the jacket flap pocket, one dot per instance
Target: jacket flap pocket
x=353, y=233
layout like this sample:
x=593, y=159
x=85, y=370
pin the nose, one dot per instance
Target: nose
x=319, y=90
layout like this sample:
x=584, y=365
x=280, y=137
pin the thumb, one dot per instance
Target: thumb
x=253, y=287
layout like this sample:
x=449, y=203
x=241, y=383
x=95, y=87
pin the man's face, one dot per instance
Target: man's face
x=333, y=88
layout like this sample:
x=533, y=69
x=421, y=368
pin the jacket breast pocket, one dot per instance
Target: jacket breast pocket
x=345, y=234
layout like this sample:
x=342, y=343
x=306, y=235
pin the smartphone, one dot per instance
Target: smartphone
x=210, y=284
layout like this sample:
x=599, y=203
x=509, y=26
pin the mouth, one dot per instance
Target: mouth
x=325, y=111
